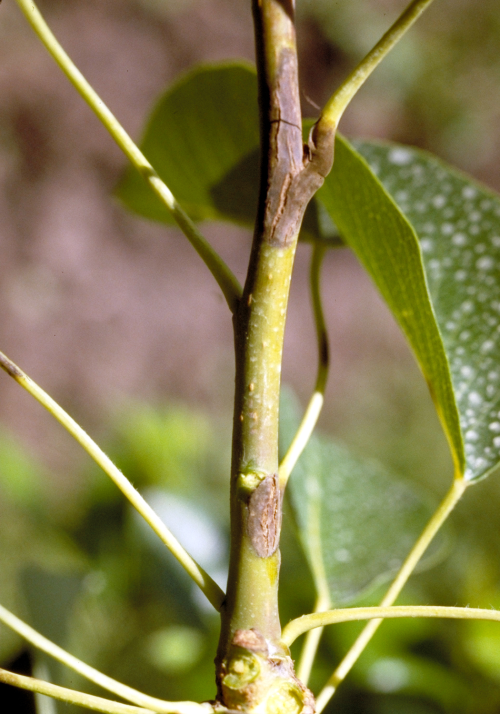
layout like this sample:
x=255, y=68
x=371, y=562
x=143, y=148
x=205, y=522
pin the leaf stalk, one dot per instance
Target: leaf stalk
x=340, y=99
x=306, y=623
x=90, y=701
x=226, y=280
x=206, y=584
x=93, y=675
x=439, y=517
x=313, y=410
x=311, y=642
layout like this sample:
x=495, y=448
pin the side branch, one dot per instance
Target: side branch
x=226, y=280
x=93, y=675
x=443, y=511
x=340, y=99
x=208, y=586
x=90, y=701
x=297, y=627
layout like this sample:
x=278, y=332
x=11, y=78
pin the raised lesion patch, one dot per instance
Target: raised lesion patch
x=264, y=516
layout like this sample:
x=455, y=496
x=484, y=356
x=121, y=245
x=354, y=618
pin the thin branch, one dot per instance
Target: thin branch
x=311, y=643
x=297, y=627
x=226, y=280
x=315, y=405
x=93, y=675
x=301, y=440
x=208, y=586
x=435, y=523
x=89, y=701
x=339, y=101
x=43, y=704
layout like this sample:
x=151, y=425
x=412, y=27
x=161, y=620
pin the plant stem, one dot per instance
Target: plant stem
x=259, y=330
x=341, y=98
x=43, y=704
x=311, y=643
x=89, y=701
x=206, y=584
x=226, y=280
x=299, y=443
x=437, y=520
x=297, y=627
x=290, y=174
x=315, y=405
x=93, y=675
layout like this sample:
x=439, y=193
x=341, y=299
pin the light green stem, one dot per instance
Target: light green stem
x=43, y=704
x=227, y=282
x=208, y=586
x=437, y=520
x=297, y=627
x=315, y=405
x=311, y=643
x=339, y=101
x=89, y=701
x=93, y=675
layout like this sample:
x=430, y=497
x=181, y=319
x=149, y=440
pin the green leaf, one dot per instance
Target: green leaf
x=356, y=520
x=199, y=130
x=371, y=223
x=202, y=138
x=457, y=222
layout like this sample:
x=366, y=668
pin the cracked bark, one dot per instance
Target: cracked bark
x=291, y=172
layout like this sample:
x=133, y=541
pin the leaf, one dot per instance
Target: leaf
x=202, y=138
x=199, y=130
x=356, y=520
x=458, y=225
x=457, y=222
x=371, y=223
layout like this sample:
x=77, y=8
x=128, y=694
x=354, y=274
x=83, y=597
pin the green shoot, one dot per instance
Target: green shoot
x=340, y=99
x=208, y=586
x=93, y=675
x=227, y=282
x=443, y=511
x=297, y=627
x=315, y=405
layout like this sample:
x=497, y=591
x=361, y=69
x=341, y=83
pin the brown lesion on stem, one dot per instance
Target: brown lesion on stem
x=291, y=171
x=298, y=190
x=254, y=668
x=264, y=516
x=8, y=366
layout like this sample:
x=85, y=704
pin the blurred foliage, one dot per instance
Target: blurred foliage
x=124, y=605
x=438, y=89
x=350, y=556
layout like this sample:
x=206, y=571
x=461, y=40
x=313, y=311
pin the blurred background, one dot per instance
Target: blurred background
x=118, y=319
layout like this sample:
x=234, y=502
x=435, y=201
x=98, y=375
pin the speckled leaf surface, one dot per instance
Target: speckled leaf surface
x=458, y=225
x=356, y=520
x=372, y=224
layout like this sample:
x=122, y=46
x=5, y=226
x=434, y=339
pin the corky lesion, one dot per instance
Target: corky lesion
x=300, y=186
x=264, y=516
x=293, y=171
